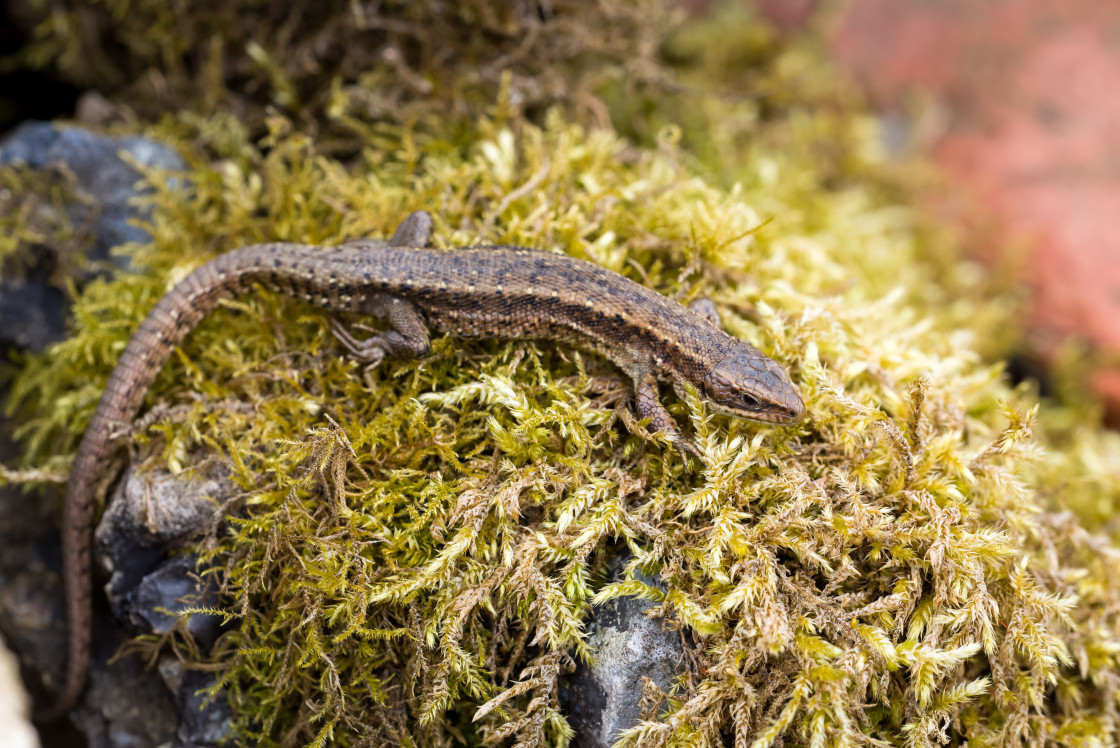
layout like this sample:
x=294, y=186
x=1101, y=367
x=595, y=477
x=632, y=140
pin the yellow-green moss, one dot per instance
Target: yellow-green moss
x=33, y=212
x=421, y=544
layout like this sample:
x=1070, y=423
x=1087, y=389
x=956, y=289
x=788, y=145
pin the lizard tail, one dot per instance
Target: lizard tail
x=163, y=329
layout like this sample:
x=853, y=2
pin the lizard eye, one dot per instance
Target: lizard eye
x=749, y=402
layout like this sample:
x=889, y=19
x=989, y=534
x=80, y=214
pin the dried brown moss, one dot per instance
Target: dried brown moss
x=338, y=68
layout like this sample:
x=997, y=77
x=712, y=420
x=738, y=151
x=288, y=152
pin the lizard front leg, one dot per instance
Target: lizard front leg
x=408, y=337
x=706, y=308
x=647, y=399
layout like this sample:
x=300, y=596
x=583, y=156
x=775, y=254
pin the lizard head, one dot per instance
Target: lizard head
x=747, y=384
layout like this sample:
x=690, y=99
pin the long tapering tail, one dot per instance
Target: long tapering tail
x=164, y=328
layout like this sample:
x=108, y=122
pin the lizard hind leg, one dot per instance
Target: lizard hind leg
x=407, y=336
x=408, y=333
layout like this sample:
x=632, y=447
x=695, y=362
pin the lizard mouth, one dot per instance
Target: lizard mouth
x=781, y=405
x=753, y=409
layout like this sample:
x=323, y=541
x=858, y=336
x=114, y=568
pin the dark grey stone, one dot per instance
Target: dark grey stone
x=602, y=699
x=32, y=614
x=32, y=306
x=31, y=314
x=205, y=720
x=173, y=587
x=147, y=514
x=101, y=174
x=125, y=704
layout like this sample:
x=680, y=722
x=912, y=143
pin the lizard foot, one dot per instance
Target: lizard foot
x=371, y=350
x=686, y=447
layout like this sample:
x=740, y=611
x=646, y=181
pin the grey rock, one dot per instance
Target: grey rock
x=125, y=704
x=100, y=172
x=173, y=587
x=602, y=699
x=206, y=721
x=32, y=615
x=147, y=514
x=30, y=314
x=31, y=305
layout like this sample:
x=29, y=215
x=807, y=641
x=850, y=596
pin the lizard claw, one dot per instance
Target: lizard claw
x=686, y=447
x=370, y=350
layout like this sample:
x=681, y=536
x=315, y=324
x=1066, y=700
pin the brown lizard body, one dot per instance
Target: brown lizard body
x=479, y=292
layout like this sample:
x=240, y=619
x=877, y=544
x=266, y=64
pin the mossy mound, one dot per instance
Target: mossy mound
x=420, y=545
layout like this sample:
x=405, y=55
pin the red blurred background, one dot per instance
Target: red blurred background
x=1027, y=95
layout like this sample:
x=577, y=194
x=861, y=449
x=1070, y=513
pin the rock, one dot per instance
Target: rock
x=100, y=174
x=602, y=699
x=31, y=611
x=125, y=704
x=147, y=514
x=31, y=315
x=32, y=304
x=174, y=586
x=204, y=722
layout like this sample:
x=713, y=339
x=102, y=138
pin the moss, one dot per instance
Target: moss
x=421, y=544
x=33, y=214
x=339, y=68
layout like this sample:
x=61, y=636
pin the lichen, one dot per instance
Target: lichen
x=420, y=545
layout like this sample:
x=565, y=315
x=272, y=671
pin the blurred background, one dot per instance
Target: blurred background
x=1010, y=99
x=1016, y=102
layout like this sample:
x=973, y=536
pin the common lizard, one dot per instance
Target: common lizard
x=474, y=292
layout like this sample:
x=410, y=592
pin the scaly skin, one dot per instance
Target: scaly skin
x=478, y=292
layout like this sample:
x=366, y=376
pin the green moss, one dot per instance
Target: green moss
x=33, y=212
x=420, y=545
